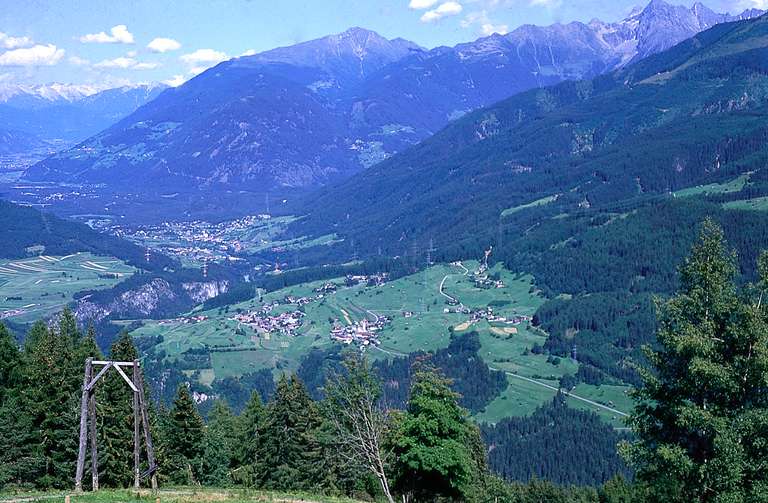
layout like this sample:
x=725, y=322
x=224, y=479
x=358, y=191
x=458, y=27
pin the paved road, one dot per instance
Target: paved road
x=571, y=395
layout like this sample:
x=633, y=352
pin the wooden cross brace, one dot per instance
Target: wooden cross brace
x=88, y=422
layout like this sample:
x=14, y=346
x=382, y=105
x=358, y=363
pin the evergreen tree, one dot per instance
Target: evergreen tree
x=183, y=438
x=702, y=421
x=10, y=360
x=21, y=459
x=438, y=450
x=287, y=452
x=52, y=382
x=160, y=426
x=115, y=420
x=218, y=446
x=248, y=437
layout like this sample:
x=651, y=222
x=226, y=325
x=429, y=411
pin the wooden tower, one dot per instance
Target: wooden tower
x=140, y=422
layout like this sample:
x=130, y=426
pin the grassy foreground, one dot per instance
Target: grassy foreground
x=177, y=495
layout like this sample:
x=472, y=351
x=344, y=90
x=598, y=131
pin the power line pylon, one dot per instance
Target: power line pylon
x=88, y=423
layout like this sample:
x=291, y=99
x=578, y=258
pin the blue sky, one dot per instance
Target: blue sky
x=115, y=42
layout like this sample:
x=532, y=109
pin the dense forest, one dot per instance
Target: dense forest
x=556, y=443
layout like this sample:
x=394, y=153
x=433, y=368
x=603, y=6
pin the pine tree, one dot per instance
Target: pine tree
x=248, y=437
x=183, y=438
x=10, y=361
x=438, y=451
x=702, y=421
x=219, y=446
x=288, y=450
x=115, y=420
x=21, y=461
x=51, y=396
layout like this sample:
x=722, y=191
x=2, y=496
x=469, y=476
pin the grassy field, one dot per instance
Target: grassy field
x=416, y=305
x=426, y=330
x=35, y=288
x=522, y=397
x=734, y=185
x=755, y=204
x=179, y=495
x=539, y=202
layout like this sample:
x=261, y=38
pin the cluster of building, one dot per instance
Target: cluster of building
x=367, y=279
x=363, y=333
x=186, y=320
x=284, y=323
x=487, y=314
x=197, y=241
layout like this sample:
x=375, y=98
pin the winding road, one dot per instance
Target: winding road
x=571, y=395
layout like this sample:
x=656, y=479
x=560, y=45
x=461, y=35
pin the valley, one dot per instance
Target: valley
x=507, y=256
x=416, y=313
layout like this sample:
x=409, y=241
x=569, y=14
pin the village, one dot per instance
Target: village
x=363, y=332
x=197, y=241
x=284, y=323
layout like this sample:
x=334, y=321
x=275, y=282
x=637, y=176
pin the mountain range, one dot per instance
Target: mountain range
x=65, y=113
x=318, y=112
x=693, y=113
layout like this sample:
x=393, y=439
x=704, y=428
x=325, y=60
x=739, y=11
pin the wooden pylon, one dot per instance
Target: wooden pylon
x=88, y=422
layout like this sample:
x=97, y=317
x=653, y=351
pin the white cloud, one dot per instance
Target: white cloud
x=118, y=35
x=125, y=64
x=131, y=54
x=121, y=62
x=163, y=45
x=176, y=81
x=38, y=55
x=443, y=10
x=550, y=4
x=202, y=59
x=204, y=56
x=146, y=66
x=14, y=42
x=422, y=4
x=485, y=26
x=249, y=52
x=488, y=29
x=78, y=61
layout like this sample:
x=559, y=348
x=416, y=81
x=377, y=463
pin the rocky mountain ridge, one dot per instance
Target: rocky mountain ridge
x=300, y=117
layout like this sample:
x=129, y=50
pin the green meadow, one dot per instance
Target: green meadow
x=416, y=306
x=37, y=287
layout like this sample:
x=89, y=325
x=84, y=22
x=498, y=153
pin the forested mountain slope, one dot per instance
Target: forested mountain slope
x=580, y=185
x=28, y=231
x=693, y=113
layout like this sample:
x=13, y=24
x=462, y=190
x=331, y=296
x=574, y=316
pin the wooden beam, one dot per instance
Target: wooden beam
x=147, y=435
x=94, y=441
x=103, y=371
x=126, y=379
x=136, y=432
x=119, y=364
x=83, y=426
